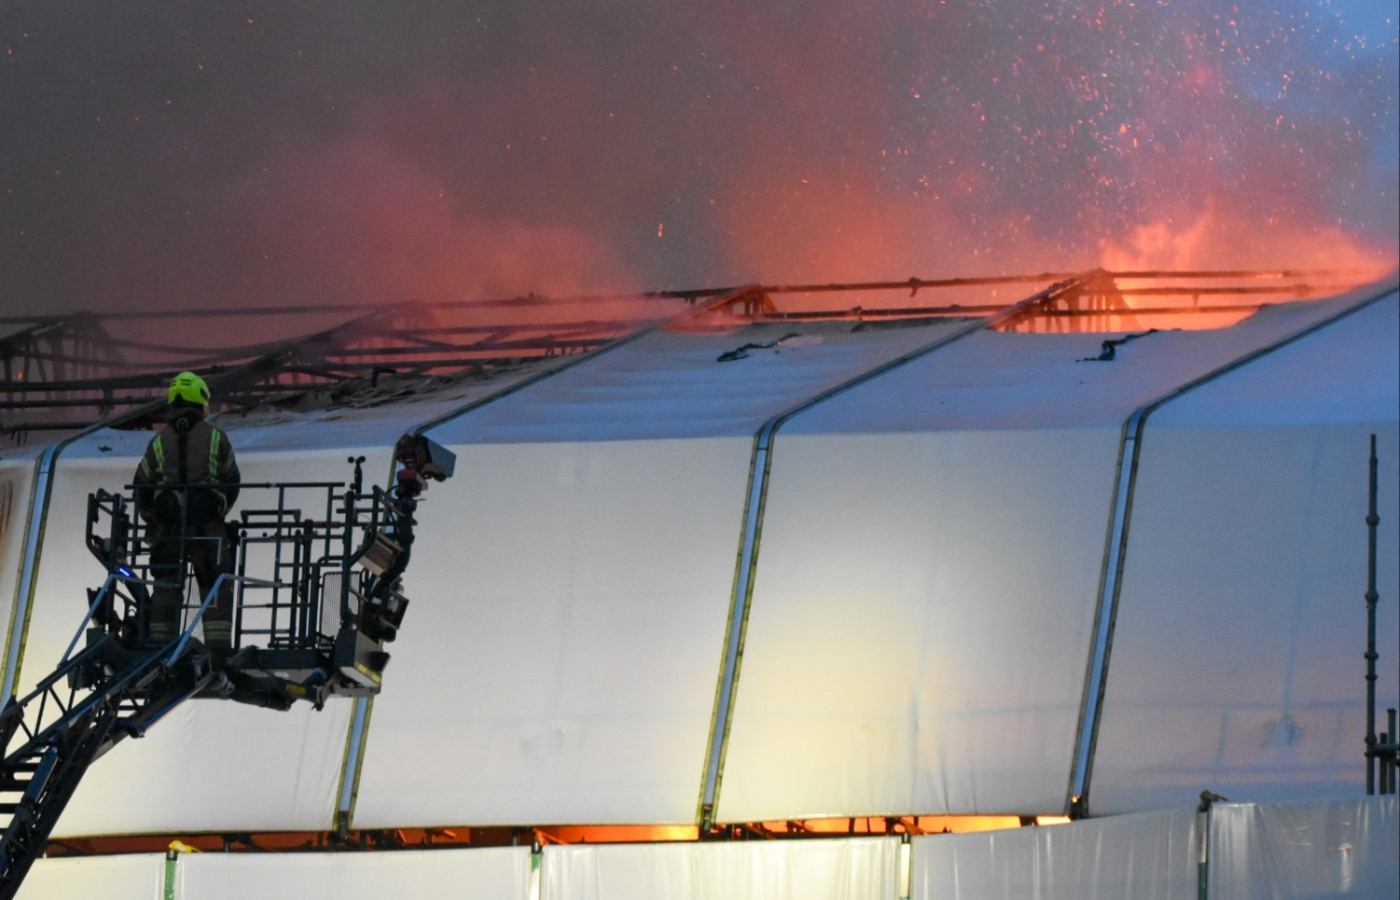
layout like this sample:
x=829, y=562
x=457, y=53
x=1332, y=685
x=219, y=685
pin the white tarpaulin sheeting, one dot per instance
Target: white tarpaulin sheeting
x=16, y=491
x=498, y=873
x=578, y=568
x=924, y=599
x=376, y=419
x=1237, y=658
x=137, y=876
x=676, y=385
x=558, y=669
x=827, y=869
x=931, y=554
x=1147, y=856
x=918, y=630
x=1346, y=848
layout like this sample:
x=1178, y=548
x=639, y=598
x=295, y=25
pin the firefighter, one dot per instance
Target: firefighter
x=185, y=484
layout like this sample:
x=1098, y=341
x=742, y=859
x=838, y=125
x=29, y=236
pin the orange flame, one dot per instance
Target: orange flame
x=1226, y=239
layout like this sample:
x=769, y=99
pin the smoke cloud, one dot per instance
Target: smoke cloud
x=257, y=153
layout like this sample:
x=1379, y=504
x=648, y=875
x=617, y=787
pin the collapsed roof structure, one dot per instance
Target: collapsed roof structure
x=770, y=556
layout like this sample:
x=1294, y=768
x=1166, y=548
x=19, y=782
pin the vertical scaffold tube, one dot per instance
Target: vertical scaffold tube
x=1372, y=520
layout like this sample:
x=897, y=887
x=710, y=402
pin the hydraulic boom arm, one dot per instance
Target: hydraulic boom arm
x=310, y=625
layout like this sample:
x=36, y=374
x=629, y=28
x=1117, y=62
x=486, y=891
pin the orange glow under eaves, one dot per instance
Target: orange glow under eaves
x=497, y=836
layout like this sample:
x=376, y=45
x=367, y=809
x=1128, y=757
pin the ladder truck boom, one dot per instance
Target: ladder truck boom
x=311, y=624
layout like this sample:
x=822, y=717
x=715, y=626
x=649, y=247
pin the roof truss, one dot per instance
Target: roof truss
x=69, y=371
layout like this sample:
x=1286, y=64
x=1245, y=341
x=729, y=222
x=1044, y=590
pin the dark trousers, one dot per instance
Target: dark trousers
x=206, y=547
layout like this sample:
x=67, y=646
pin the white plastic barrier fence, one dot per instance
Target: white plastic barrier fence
x=1348, y=848
x=839, y=869
x=1316, y=850
x=499, y=873
x=137, y=876
x=1145, y=856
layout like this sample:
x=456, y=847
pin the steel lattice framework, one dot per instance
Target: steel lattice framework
x=66, y=372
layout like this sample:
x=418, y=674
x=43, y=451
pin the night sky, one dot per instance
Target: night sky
x=163, y=154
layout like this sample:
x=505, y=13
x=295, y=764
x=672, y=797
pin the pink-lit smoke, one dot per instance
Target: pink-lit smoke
x=311, y=153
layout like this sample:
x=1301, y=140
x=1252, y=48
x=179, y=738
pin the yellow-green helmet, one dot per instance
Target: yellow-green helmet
x=189, y=388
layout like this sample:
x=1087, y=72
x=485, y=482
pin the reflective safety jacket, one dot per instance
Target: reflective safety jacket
x=188, y=459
